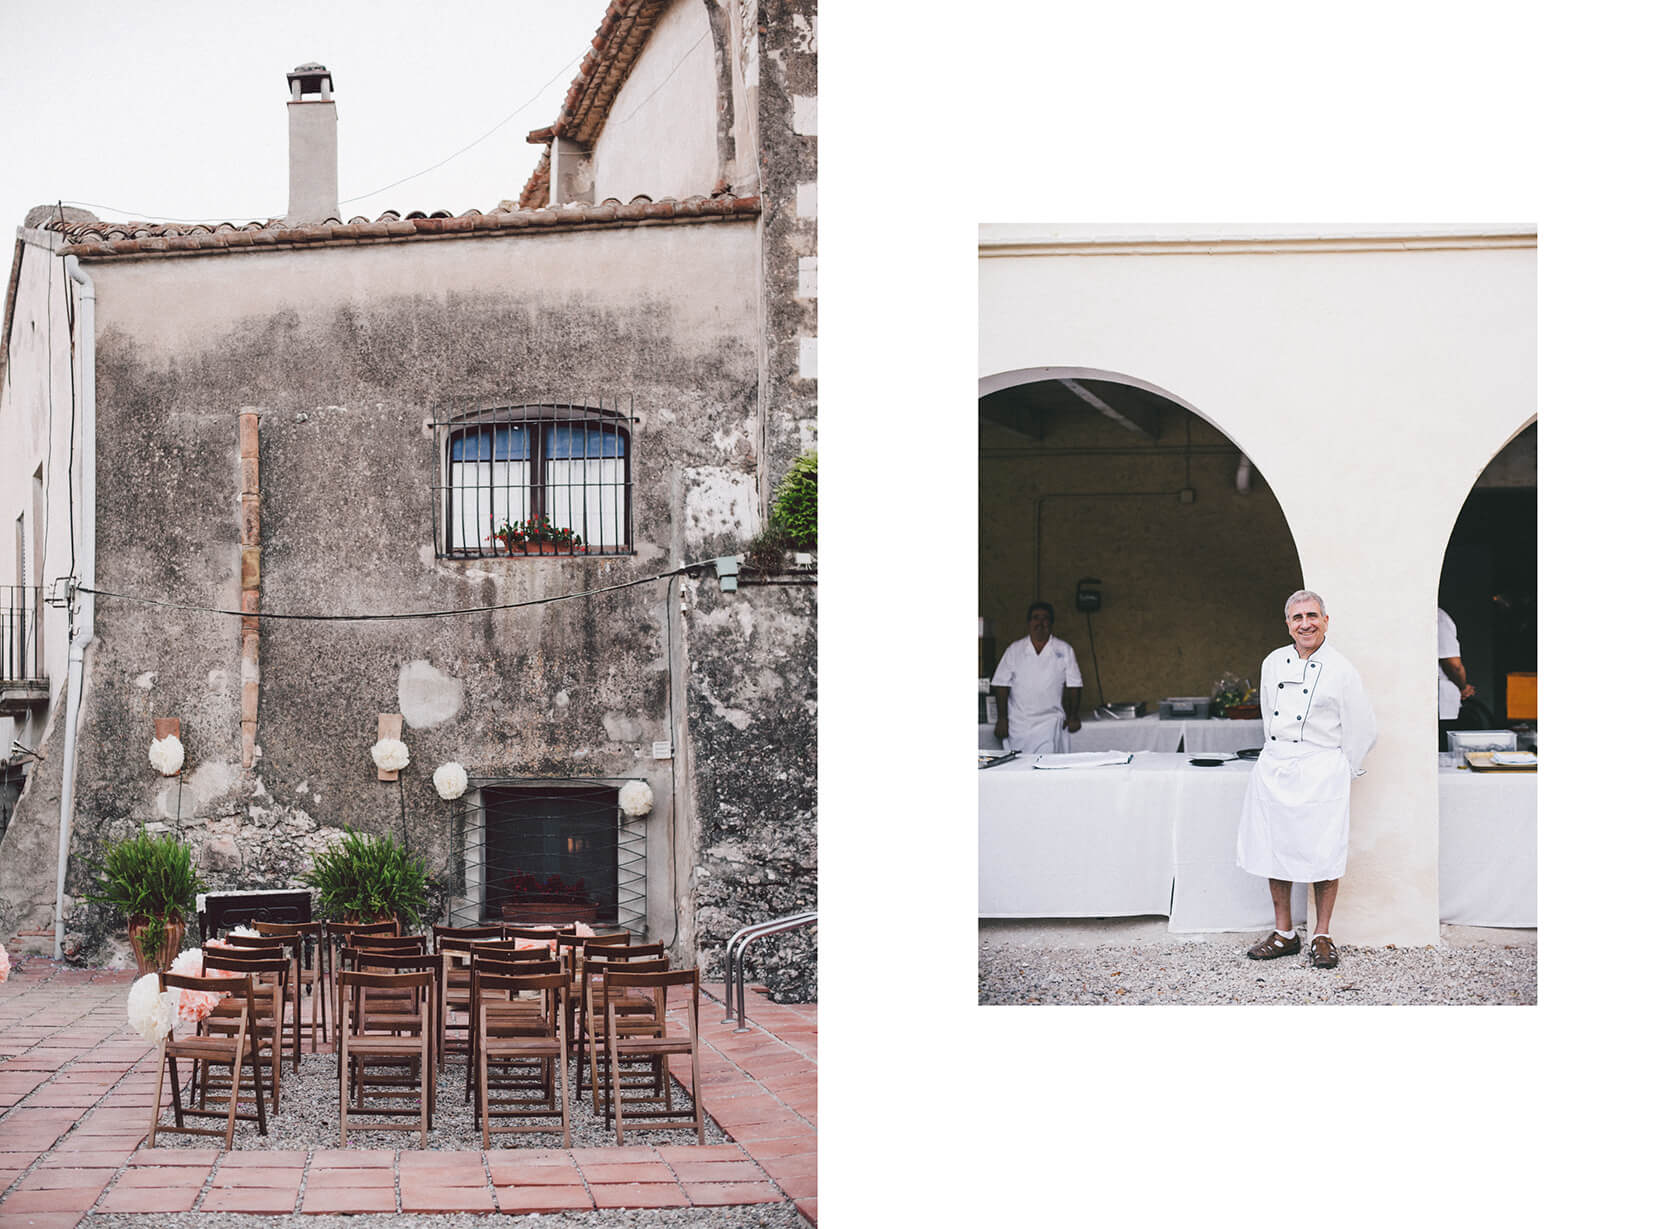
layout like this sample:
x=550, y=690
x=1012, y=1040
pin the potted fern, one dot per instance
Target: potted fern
x=152, y=882
x=369, y=879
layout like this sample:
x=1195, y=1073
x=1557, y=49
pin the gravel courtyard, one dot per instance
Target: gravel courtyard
x=1129, y=962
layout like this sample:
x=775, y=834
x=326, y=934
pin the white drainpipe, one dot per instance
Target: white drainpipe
x=82, y=614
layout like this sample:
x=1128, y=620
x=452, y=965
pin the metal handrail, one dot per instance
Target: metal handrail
x=734, y=962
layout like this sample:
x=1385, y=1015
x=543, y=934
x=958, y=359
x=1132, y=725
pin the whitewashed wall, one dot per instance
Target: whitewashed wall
x=36, y=408
x=1370, y=378
x=661, y=136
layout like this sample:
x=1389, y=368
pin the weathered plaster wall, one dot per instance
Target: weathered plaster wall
x=36, y=435
x=347, y=354
x=1190, y=591
x=787, y=128
x=752, y=716
x=660, y=138
x=1370, y=381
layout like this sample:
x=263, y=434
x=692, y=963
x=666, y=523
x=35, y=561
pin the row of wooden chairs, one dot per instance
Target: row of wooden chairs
x=525, y=1014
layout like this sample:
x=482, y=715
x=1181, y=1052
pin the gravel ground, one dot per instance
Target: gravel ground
x=1019, y=966
x=308, y=1118
x=749, y=1216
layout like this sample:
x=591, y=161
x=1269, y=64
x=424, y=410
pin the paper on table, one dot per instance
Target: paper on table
x=1083, y=759
x=1515, y=757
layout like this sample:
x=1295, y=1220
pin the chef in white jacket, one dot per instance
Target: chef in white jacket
x=1318, y=729
x=1038, y=684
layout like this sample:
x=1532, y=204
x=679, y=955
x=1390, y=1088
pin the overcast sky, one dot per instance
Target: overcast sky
x=179, y=110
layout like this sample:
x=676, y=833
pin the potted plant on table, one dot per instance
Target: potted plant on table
x=152, y=882
x=369, y=879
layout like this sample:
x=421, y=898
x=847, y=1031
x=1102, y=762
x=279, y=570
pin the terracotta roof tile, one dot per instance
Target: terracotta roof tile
x=96, y=239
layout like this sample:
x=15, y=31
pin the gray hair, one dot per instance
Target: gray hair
x=1304, y=595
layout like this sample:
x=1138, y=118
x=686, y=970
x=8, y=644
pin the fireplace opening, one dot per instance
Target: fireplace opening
x=551, y=854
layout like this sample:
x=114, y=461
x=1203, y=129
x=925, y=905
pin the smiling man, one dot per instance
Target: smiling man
x=1319, y=727
x=1038, y=684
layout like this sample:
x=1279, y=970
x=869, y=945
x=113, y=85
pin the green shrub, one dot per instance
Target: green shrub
x=363, y=878
x=795, y=508
x=148, y=876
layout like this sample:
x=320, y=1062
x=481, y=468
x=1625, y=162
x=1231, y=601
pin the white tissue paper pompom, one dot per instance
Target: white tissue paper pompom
x=245, y=932
x=450, y=780
x=150, y=1013
x=390, y=754
x=635, y=798
x=166, y=755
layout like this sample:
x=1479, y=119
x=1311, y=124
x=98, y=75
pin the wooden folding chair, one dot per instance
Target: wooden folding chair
x=335, y=934
x=358, y=1051
x=536, y=1034
x=268, y=973
x=395, y=1011
x=457, y=989
x=510, y=1006
x=237, y=1051
x=303, y=939
x=286, y=947
x=571, y=946
x=473, y=934
x=636, y=1009
x=623, y=1043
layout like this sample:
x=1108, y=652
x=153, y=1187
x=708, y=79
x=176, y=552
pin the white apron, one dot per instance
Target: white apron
x=1294, y=821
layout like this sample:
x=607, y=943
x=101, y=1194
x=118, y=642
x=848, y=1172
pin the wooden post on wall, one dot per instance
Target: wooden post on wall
x=390, y=726
x=250, y=585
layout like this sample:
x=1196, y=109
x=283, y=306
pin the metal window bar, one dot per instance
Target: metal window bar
x=569, y=465
x=20, y=633
x=735, y=966
x=479, y=883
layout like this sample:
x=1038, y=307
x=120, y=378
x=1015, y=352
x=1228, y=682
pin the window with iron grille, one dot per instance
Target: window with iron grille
x=534, y=480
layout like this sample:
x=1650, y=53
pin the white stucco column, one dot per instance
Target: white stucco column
x=1370, y=379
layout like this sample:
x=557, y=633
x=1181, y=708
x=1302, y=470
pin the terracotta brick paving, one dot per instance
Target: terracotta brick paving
x=76, y=1095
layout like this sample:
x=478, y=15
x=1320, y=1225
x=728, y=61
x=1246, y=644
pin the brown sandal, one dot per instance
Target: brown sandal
x=1271, y=947
x=1324, y=954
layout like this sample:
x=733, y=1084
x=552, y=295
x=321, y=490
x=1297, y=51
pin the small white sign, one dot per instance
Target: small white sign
x=662, y=749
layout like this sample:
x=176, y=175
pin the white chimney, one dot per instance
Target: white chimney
x=312, y=117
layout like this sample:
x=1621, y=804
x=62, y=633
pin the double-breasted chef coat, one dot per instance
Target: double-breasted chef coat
x=1035, y=679
x=1318, y=729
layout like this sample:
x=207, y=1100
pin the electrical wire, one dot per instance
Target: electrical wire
x=395, y=615
x=566, y=68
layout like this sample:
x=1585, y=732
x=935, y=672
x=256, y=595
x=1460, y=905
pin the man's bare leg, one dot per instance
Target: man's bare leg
x=1281, y=889
x=1324, y=895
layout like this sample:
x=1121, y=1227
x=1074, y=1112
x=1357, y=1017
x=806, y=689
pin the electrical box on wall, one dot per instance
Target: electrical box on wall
x=1088, y=596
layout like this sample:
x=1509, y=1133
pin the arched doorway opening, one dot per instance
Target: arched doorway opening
x=1098, y=482
x=1490, y=582
x=1488, y=852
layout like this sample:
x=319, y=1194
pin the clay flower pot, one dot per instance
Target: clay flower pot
x=173, y=932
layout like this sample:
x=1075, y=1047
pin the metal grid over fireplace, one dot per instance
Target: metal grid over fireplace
x=548, y=849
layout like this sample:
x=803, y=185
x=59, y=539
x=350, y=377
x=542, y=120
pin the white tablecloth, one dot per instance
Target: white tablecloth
x=1489, y=848
x=1150, y=733
x=1221, y=734
x=1210, y=891
x=1120, y=842
x=1079, y=842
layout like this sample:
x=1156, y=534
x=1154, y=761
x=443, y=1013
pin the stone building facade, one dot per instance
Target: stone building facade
x=330, y=418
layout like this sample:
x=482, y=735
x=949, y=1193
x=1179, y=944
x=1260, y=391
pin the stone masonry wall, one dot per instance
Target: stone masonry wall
x=752, y=704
